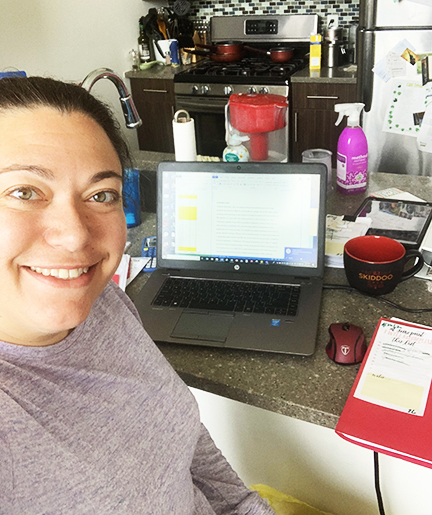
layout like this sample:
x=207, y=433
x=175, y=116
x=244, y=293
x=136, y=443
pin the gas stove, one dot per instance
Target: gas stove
x=204, y=89
x=246, y=71
x=254, y=72
x=250, y=75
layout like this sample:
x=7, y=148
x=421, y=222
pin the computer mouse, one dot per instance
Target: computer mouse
x=347, y=344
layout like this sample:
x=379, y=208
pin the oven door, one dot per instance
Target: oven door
x=209, y=116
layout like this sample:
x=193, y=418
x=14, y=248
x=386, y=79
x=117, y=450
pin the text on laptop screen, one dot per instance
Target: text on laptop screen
x=254, y=218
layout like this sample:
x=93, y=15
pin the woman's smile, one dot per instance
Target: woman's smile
x=61, y=273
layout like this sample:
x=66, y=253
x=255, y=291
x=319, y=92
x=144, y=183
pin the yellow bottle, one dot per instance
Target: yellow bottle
x=315, y=52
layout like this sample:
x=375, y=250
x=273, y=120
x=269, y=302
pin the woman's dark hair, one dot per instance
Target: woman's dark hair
x=31, y=92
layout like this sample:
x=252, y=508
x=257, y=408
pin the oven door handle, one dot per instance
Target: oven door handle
x=201, y=104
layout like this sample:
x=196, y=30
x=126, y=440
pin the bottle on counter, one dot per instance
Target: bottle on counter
x=143, y=45
x=236, y=151
x=352, y=151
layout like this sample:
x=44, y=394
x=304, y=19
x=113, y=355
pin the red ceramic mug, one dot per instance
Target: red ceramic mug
x=376, y=264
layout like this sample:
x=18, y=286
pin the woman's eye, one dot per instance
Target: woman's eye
x=24, y=193
x=105, y=197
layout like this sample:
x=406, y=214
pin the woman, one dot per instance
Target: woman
x=92, y=417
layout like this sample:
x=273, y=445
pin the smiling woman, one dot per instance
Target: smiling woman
x=92, y=419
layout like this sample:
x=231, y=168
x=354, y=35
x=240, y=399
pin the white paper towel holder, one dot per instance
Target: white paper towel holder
x=184, y=136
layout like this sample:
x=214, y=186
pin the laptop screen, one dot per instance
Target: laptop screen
x=250, y=216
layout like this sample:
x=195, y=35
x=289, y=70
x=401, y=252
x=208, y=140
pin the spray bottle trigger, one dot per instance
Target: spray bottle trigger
x=341, y=115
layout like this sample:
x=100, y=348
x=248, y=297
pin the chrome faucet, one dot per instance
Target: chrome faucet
x=132, y=118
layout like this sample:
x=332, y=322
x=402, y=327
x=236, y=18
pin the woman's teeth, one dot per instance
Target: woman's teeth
x=61, y=273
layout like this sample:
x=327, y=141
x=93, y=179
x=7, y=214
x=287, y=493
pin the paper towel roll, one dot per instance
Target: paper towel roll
x=184, y=137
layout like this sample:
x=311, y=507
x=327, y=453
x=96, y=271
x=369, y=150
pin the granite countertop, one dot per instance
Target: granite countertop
x=342, y=75
x=158, y=71
x=313, y=389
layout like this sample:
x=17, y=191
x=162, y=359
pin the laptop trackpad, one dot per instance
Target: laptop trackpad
x=203, y=326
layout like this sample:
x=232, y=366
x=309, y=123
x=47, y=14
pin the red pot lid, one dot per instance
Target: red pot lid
x=253, y=99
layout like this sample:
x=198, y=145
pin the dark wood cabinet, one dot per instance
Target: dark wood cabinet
x=313, y=116
x=154, y=99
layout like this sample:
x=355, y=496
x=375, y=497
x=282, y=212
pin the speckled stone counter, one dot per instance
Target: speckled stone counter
x=343, y=75
x=313, y=389
x=157, y=71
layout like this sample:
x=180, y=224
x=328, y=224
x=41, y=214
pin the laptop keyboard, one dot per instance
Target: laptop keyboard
x=277, y=299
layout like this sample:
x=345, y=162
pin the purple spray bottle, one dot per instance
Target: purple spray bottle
x=352, y=151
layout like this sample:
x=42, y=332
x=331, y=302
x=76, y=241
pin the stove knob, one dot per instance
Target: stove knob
x=252, y=90
x=194, y=90
x=205, y=90
x=263, y=91
x=228, y=90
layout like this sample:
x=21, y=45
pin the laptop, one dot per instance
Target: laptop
x=254, y=230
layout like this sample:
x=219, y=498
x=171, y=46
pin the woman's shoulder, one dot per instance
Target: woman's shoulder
x=114, y=298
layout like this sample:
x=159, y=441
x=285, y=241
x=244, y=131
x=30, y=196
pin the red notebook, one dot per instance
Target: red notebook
x=389, y=408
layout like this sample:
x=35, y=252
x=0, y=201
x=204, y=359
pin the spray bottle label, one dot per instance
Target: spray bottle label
x=352, y=173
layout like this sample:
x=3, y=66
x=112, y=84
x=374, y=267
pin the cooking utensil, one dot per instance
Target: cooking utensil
x=162, y=28
x=219, y=58
x=277, y=55
x=225, y=47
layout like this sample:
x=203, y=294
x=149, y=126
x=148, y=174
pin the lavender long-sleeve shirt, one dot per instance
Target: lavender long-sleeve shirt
x=101, y=424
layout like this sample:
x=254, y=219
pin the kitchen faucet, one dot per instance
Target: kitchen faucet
x=132, y=118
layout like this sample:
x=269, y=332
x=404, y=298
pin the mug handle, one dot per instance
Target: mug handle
x=417, y=267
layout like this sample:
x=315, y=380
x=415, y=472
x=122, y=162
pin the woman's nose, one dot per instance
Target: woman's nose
x=67, y=227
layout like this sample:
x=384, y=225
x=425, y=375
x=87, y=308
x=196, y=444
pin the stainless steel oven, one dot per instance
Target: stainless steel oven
x=204, y=89
x=207, y=108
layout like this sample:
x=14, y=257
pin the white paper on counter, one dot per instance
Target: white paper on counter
x=121, y=274
x=136, y=265
x=398, y=372
x=406, y=101
x=338, y=232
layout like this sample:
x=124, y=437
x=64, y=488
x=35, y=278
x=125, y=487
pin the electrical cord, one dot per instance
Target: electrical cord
x=381, y=299
x=377, y=484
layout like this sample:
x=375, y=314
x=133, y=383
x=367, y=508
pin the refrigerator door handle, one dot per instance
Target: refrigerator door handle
x=368, y=14
x=365, y=75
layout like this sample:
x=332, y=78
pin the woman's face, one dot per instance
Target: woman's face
x=62, y=227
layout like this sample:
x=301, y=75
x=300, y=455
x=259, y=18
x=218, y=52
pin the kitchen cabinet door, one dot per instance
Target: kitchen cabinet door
x=313, y=116
x=154, y=100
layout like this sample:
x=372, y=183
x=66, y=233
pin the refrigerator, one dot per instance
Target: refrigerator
x=394, y=37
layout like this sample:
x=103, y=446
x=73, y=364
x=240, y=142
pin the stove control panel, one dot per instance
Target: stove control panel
x=261, y=26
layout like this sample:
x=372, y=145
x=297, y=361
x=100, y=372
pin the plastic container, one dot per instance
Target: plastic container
x=131, y=195
x=352, y=151
x=320, y=155
x=235, y=151
x=257, y=115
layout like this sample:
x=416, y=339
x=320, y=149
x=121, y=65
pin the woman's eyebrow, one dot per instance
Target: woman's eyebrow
x=48, y=174
x=42, y=172
x=108, y=174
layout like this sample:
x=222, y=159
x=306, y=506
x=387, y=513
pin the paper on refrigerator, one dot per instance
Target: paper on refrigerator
x=406, y=105
x=424, y=136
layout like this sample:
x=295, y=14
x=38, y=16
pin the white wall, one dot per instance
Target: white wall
x=311, y=462
x=67, y=39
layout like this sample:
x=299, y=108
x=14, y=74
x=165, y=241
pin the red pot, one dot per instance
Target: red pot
x=277, y=54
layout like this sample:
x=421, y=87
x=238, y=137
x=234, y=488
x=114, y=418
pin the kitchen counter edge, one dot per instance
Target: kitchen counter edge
x=338, y=75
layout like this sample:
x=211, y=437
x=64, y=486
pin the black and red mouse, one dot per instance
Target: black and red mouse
x=347, y=344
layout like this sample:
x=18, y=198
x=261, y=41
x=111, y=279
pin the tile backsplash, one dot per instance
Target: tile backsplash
x=346, y=10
